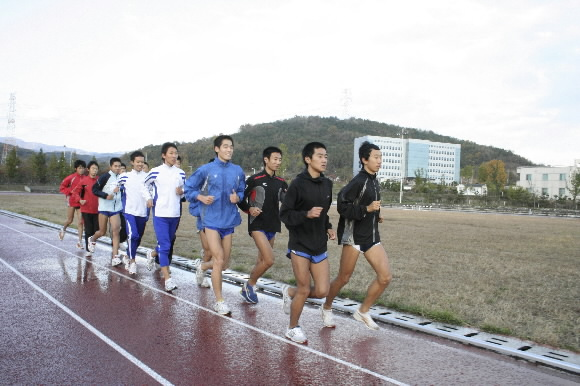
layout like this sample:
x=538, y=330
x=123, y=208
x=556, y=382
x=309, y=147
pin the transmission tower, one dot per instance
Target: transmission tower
x=9, y=141
x=345, y=102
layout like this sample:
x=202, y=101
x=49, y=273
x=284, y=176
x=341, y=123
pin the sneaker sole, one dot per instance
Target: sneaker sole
x=357, y=316
x=295, y=341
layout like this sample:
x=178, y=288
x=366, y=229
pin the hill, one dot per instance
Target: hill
x=337, y=134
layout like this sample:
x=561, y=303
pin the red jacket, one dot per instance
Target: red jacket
x=70, y=187
x=85, y=192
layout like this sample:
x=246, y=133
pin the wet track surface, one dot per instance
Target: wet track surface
x=75, y=320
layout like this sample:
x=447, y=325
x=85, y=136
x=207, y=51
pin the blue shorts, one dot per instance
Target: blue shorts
x=223, y=232
x=364, y=247
x=269, y=235
x=315, y=259
x=109, y=214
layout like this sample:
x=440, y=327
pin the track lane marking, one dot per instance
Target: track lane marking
x=230, y=319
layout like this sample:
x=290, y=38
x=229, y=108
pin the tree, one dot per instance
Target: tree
x=575, y=184
x=493, y=174
x=63, y=168
x=467, y=174
x=40, y=170
x=12, y=163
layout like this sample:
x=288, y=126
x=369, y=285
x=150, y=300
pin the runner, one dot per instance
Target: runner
x=167, y=181
x=89, y=203
x=219, y=186
x=134, y=207
x=110, y=206
x=359, y=205
x=304, y=211
x=262, y=203
x=70, y=187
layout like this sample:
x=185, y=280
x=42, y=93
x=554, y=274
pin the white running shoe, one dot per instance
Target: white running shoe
x=88, y=254
x=126, y=261
x=327, y=318
x=150, y=259
x=61, y=234
x=133, y=268
x=169, y=286
x=199, y=273
x=80, y=245
x=92, y=245
x=286, y=299
x=296, y=335
x=116, y=261
x=366, y=319
x=222, y=308
x=205, y=283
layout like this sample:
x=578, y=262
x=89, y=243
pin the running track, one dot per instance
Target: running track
x=67, y=319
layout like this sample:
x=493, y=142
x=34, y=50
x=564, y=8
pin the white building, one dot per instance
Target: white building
x=438, y=161
x=472, y=190
x=547, y=181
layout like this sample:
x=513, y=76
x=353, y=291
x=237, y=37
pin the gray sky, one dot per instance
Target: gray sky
x=113, y=75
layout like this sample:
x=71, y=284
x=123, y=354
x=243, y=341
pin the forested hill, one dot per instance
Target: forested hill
x=338, y=136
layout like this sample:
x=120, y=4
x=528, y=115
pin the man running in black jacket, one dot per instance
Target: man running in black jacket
x=304, y=211
x=359, y=205
x=263, y=215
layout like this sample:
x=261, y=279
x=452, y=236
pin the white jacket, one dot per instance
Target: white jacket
x=134, y=198
x=165, y=179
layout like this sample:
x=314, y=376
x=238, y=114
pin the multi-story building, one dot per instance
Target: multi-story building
x=435, y=161
x=549, y=181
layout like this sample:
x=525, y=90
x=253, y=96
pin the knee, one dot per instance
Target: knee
x=384, y=279
x=343, y=278
x=268, y=263
x=321, y=291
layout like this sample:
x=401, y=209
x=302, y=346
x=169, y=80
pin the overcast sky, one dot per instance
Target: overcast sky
x=114, y=75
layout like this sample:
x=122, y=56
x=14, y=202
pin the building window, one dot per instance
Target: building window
x=544, y=191
x=545, y=177
x=561, y=192
x=528, y=177
x=562, y=177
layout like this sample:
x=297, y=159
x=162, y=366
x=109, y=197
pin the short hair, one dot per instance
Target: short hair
x=217, y=142
x=179, y=158
x=308, y=150
x=80, y=162
x=365, y=150
x=123, y=165
x=267, y=153
x=113, y=160
x=146, y=163
x=92, y=163
x=136, y=154
x=166, y=146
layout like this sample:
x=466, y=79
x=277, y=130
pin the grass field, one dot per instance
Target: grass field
x=513, y=275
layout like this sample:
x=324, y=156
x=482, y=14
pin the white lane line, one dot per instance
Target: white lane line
x=92, y=329
x=230, y=319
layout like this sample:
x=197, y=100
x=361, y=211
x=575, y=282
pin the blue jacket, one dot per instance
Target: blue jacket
x=216, y=179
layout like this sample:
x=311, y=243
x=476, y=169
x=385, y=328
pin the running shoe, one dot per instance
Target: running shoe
x=169, y=286
x=296, y=335
x=133, y=268
x=205, y=283
x=366, y=319
x=116, y=261
x=80, y=245
x=222, y=308
x=150, y=259
x=249, y=294
x=199, y=273
x=327, y=318
x=286, y=299
x=88, y=254
x=61, y=234
x=126, y=261
x=92, y=245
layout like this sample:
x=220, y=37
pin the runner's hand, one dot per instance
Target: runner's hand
x=331, y=234
x=314, y=212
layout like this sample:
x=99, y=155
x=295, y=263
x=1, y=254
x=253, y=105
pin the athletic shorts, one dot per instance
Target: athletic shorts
x=109, y=214
x=223, y=232
x=269, y=235
x=365, y=247
x=198, y=224
x=315, y=259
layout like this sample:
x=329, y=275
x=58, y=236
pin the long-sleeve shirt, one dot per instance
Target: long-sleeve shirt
x=307, y=234
x=85, y=193
x=218, y=179
x=104, y=187
x=356, y=226
x=70, y=187
x=164, y=180
x=133, y=193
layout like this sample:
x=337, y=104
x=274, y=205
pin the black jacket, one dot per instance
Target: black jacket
x=356, y=226
x=307, y=234
x=275, y=188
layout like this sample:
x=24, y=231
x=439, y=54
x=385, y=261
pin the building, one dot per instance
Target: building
x=472, y=190
x=549, y=181
x=435, y=161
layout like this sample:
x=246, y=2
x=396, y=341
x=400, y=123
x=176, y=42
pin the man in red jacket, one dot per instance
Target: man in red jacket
x=89, y=203
x=69, y=187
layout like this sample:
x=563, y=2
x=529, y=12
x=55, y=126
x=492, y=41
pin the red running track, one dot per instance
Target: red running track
x=67, y=319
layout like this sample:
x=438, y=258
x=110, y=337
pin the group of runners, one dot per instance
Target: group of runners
x=215, y=192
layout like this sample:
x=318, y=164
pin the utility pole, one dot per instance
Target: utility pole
x=10, y=129
x=403, y=165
